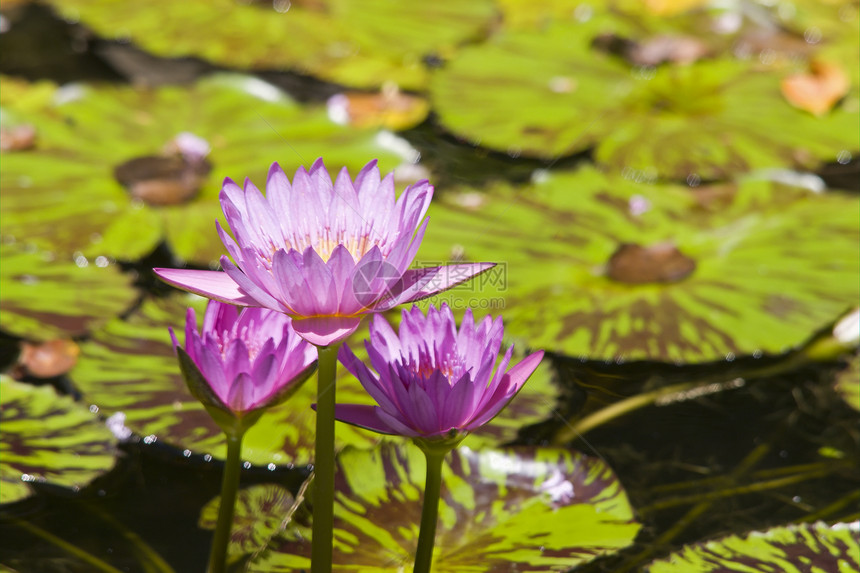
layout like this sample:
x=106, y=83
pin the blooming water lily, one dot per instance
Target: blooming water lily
x=434, y=384
x=325, y=254
x=242, y=362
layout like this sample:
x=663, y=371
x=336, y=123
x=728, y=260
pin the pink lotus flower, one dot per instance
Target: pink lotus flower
x=242, y=360
x=434, y=382
x=323, y=254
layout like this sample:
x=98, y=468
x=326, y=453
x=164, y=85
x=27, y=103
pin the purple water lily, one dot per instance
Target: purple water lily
x=323, y=254
x=433, y=381
x=248, y=359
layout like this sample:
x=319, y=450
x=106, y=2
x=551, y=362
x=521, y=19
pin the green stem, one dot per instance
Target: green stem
x=600, y=417
x=229, y=490
x=429, y=511
x=323, y=513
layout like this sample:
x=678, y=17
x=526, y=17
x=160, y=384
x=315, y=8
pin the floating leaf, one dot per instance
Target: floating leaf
x=44, y=297
x=66, y=195
x=807, y=547
x=756, y=267
x=48, y=438
x=261, y=511
x=515, y=509
x=546, y=94
x=817, y=91
x=359, y=44
x=848, y=383
x=540, y=94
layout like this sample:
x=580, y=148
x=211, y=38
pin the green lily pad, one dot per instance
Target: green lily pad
x=807, y=547
x=515, y=509
x=848, y=383
x=547, y=94
x=261, y=511
x=608, y=269
x=359, y=44
x=46, y=297
x=48, y=438
x=65, y=196
x=129, y=368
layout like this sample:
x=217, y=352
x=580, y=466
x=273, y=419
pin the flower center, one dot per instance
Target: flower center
x=245, y=334
x=356, y=245
x=448, y=364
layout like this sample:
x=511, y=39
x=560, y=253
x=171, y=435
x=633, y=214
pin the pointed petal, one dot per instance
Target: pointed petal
x=261, y=297
x=508, y=387
x=367, y=180
x=362, y=416
x=423, y=283
x=319, y=283
x=325, y=330
x=216, y=285
x=397, y=425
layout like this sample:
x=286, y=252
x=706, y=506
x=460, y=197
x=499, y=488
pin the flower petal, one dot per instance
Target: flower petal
x=260, y=296
x=418, y=284
x=216, y=285
x=325, y=330
x=508, y=387
x=363, y=416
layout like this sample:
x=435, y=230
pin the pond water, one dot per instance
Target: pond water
x=742, y=441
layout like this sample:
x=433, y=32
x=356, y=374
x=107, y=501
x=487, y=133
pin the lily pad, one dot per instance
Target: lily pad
x=848, y=383
x=359, y=44
x=129, y=369
x=261, y=511
x=500, y=510
x=46, y=297
x=807, y=547
x=547, y=94
x=721, y=271
x=116, y=169
x=48, y=438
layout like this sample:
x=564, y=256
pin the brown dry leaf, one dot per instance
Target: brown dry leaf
x=818, y=90
x=390, y=108
x=17, y=138
x=659, y=49
x=48, y=359
x=660, y=263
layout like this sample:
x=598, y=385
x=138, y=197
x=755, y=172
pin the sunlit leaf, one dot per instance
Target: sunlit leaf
x=64, y=194
x=48, y=438
x=609, y=269
x=360, y=44
x=807, y=547
x=547, y=94
x=261, y=511
x=539, y=94
x=46, y=297
x=501, y=510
